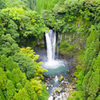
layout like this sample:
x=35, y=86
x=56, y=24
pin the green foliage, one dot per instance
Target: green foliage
x=37, y=87
x=48, y=18
x=94, y=84
x=45, y=5
x=9, y=75
x=40, y=89
x=12, y=30
x=19, y=86
x=3, y=79
x=89, y=81
x=15, y=76
x=1, y=95
x=24, y=26
x=30, y=90
x=26, y=61
x=14, y=84
x=98, y=97
x=22, y=95
x=76, y=96
x=45, y=94
x=19, y=25
x=8, y=46
x=91, y=52
x=3, y=61
x=26, y=64
x=86, y=80
x=67, y=49
x=17, y=3
x=9, y=64
x=10, y=90
x=2, y=4
x=80, y=80
x=97, y=63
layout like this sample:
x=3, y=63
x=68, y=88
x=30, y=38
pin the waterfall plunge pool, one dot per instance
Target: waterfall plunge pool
x=55, y=67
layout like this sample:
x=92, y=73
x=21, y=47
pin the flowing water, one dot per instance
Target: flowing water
x=51, y=43
x=51, y=62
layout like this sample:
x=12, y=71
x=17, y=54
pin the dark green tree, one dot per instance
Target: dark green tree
x=2, y=4
x=10, y=90
x=94, y=84
x=9, y=64
x=3, y=79
x=1, y=95
x=26, y=64
x=9, y=75
x=16, y=77
x=19, y=86
x=3, y=61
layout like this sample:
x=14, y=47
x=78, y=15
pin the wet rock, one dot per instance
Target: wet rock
x=74, y=87
x=61, y=78
x=72, y=75
x=47, y=81
x=58, y=89
x=47, y=88
x=66, y=83
x=64, y=96
x=49, y=85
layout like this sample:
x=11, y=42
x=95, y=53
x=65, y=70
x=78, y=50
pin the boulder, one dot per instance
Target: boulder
x=47, y=88
x=58, y=89
x=61, y=78
x=74, y=87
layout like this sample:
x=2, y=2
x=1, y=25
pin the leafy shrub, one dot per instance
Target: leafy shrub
x=67, y=49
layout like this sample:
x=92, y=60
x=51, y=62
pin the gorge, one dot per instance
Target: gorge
x=23, y=73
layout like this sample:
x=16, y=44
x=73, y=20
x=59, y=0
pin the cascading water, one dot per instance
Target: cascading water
x=51, y=63
x=51, y=42
x=54, y=66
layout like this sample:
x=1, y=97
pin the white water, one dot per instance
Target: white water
x=53, y=66
x=56, y=78
x=51, y=42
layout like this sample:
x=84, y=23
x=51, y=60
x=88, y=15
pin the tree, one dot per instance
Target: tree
x=9, y=64
x=30, y=90
x=19, y=86
x=26, y=64
x=16, y=77
x=22, y=95
x=3, y=79
x=10, y=90
x=2, y=4
x=9, y=75
x=1, y=95
x=97, y=63
x=8, y=46
x=3, y=61
x=94, y=84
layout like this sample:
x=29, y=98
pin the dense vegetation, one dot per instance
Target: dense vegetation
x=80, y=20
x=20, y=75
x=23, y=23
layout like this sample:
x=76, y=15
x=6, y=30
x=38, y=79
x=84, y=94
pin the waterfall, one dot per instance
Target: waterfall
x=51, y=42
